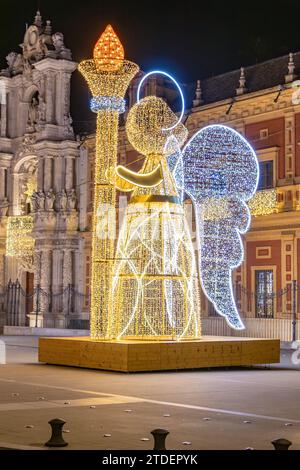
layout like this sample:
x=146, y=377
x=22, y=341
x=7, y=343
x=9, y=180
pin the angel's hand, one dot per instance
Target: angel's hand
x=144, y=180
x=115, y=180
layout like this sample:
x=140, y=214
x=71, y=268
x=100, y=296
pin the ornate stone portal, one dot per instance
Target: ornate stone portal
x=38, y=159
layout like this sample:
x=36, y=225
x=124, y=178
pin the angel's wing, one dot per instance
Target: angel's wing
x=220, y=175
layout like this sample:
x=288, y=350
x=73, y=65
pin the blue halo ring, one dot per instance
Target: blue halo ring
x=178, y=87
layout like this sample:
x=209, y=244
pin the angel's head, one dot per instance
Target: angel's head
x=149, y=127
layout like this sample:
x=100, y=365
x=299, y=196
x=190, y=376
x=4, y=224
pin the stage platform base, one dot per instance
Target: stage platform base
x=141, y=356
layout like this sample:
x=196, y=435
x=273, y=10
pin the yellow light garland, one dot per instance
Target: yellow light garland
x=264, y=202
x=19, y=243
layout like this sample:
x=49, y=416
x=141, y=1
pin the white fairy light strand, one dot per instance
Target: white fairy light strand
x=221, y=173
x=111, y=103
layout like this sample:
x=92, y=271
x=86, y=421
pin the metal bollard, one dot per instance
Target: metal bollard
x=281, y=444
x=56, y=439
x=159, y=436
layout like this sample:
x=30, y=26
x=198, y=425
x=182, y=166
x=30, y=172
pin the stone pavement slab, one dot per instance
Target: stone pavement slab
x=211, y=409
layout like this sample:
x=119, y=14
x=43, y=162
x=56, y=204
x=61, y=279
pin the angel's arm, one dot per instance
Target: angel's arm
x=144, y=180
x=126, y=180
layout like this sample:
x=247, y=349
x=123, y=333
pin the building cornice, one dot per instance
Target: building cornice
x=56, y=65
x=245, y=108
x=285, y=220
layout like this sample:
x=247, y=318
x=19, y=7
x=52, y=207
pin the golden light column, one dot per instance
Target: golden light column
x=108, y=76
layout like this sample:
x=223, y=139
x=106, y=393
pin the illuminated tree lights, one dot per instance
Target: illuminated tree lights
x=108, y=76
x=220, y=175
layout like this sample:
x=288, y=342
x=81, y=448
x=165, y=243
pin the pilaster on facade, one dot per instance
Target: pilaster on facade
x=290, y=147
x=288, y=268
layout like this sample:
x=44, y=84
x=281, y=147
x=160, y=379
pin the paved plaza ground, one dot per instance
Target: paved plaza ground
x=207, y=409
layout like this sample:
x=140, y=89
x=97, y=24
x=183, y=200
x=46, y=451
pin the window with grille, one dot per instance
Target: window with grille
x=264, y=299
x=266, y=175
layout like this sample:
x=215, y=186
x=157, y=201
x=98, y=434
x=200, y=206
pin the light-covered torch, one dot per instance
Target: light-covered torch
x=108, y=76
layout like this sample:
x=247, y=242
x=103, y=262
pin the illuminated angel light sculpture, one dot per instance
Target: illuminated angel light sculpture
x=155, y=284
x=218, y=169
x=148, y=287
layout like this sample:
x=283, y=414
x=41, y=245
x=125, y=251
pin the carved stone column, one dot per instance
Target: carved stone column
x=67, y=282
x=2, y=184
x=48, y=173
x=78, y=301
x=45, y=281
x=35, y=317
x=50, y=97
x=2, y=271
x=15, y=194
x=42, y=282
x=40, y=174
x=2, y=290
x=57, y=304
x=3, y=122
x=289, y=147
x=67, y=268
x=58, y=172
x=69, y=184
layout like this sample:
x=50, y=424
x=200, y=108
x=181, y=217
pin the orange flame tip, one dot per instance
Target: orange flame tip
x=108, y=51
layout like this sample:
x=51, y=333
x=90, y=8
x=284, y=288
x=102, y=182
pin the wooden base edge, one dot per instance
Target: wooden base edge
x=156, y=356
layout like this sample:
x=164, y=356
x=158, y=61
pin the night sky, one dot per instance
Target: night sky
x=190, y=39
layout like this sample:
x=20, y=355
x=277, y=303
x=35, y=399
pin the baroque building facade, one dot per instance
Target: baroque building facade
x=46, y=174
x=38, y=159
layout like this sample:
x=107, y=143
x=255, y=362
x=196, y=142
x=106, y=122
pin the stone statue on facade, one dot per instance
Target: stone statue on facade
x=60, y=48
x=49, y=201
x=15, y=64
x=4, y=207
x=11, y=59
x=33, y=113
x=34, y=202
x=41, y=200
x=72, y=199
x=62, y=200
x=41, y=111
